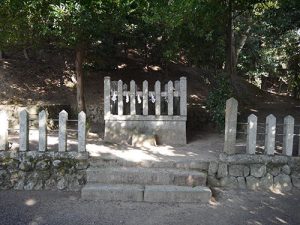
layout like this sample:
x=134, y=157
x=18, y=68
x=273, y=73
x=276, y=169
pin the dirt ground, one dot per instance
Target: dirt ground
x=229, y=208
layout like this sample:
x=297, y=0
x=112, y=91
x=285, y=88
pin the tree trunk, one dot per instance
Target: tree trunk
x=79, y=73
x=230, y=44
x=1, y=55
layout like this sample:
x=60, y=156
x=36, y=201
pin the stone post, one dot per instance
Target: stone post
x=183, y=96
x=170, y=98
x=3, y=130
x=24, y=131
x=81, y=132
x=132, y=98
x=62, y=136
x=157, y=98
x=145, y=98
x=288, y=135
x=270, y=135
x=106, y=96
x=120, y=97
x=251, y=134
x=42, y=131
x=230, y=125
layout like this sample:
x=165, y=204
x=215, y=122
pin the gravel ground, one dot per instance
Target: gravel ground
x=228, y=207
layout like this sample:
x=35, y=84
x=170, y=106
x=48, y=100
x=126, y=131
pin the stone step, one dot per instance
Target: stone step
x=110, y=161
x=144, y=176
x=149, y=193
x=118, y=192
x=170, y=193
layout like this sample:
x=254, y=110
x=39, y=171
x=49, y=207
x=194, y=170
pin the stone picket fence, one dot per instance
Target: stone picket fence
x=252, y=132
x=128, y=112
x=42, y=128
x=34, y=169
x=250, y=168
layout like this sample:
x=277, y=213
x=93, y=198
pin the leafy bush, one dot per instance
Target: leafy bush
x=216, y=100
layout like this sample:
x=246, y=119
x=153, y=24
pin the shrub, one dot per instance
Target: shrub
x=216, y=100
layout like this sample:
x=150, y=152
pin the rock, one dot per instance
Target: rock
x=252, y=182
x=39, y=185
x=258, y=170
x=266, y=182
x=241, y=182
x=286, y=170
x=50, y=184
x=19, y=185
x=222, y=170
x=229, y=181
x=296, y=180
x=29, y=185
x=236, y=170
x=246, y=171
x=274, y=170
x=62, y=184
x=42, y=165
x=143, y=140
x=82, y=165
x=26, y=165
x=57, y=163
x=213, y=181
x=283, y=182
x=213, y=168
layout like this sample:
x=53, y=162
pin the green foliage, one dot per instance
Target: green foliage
x=216, y=100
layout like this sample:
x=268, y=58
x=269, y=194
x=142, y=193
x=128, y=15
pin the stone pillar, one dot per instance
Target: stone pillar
x=42, y=131
x=24, y=131
x=145, y=98
x=3, y=130
x=157, y=98
x=106, y=96
x=62, y=136
x=120, y=97
x=230, y=125
x=270, y=135
x=132, y=98
x=288, y=135
x=183, y=97
x=81, y=132
x=251, y=134
x=170, y=98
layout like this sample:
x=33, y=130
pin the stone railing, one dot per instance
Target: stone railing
x=42, y=128
x=252, y=133
x=250, y=167
x=35, y=169
x=160, y=113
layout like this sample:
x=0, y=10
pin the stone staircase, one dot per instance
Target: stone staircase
x=117, y=180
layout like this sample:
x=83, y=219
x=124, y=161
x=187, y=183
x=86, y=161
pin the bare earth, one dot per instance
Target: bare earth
x=229, y=208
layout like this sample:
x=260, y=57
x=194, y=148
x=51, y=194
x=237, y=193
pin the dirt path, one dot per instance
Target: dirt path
x=230, y=208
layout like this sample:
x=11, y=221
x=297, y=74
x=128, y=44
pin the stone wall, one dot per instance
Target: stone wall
x=34, y=170
x=256, y=172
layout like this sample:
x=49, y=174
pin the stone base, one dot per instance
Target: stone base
x=170, y=130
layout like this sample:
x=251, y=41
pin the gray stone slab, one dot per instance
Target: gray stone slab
x=270, y=134
x=112, y=192
x=3, y=130
x=169, y=193
x=288, y=138
x=251, y=134
x=24, y=131
x=81, y=132
x=230, y=126
x=155, y=176
x=43, y=131
x=62, y=134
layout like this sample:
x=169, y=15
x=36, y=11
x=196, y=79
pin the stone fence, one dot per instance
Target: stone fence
x=42, y=127
x=35, y=169
x=159, y=113
x=270, y=169
x=252, y=133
